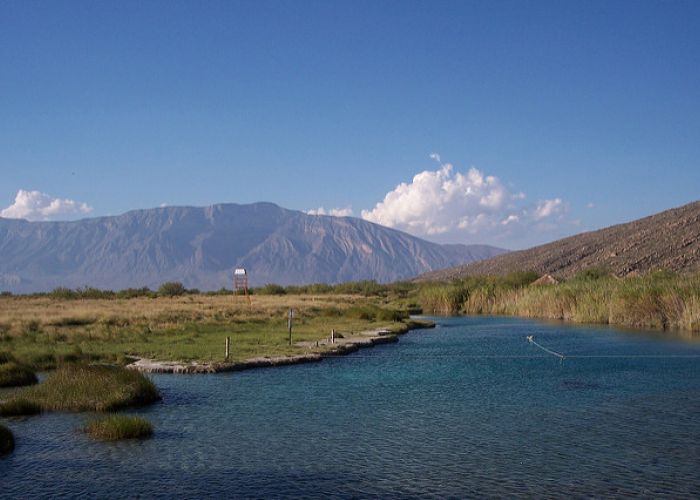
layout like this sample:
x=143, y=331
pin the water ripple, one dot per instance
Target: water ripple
x=468, y=410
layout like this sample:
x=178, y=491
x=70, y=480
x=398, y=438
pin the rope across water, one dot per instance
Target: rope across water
x=531, y=339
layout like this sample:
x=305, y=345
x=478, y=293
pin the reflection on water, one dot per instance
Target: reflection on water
x=467, y=409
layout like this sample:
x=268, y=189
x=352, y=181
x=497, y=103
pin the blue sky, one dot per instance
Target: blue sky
x=575, y=115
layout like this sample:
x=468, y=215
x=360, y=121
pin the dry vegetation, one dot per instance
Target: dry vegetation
x=45, y=331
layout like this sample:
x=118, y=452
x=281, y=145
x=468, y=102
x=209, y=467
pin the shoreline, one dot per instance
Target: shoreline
x=342, y=345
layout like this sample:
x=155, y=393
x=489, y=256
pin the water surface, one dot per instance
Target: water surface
x=467, y=409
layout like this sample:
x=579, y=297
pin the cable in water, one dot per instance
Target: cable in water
x=531, y=339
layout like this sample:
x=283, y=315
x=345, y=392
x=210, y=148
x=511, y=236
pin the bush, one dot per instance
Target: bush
x=13, y=374
x=375, y=313
x=593, y=273
x=271, y=289
x=91, y=388
x=172, y=289
x=115, y=427
x=132, y=293
x=18, y=407
x=7, y=441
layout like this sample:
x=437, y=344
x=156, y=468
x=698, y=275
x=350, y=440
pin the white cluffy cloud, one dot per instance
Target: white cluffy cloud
x=336, y=212
x=35, y=205
x=446, y=204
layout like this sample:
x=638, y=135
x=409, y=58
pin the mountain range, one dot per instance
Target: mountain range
x=201, y=246
x=668, y=240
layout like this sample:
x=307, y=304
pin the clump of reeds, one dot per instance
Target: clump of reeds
x=91, y=388
x=443, y=299
x=7, y=440
x=116, y=427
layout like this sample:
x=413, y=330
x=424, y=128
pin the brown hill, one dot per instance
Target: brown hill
x=668, y=240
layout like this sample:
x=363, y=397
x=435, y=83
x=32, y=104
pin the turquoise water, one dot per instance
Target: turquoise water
x=467, y=409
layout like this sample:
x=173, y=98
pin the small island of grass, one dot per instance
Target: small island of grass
x=86, y=388
x=116, y=427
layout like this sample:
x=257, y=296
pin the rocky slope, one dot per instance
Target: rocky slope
x=201, y=247
x=668, y=240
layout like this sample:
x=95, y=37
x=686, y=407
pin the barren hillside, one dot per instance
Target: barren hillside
x=668, y=240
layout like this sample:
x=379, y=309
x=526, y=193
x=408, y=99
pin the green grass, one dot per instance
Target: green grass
x=46, y=332
x=7, y=440
x=13, y=374
x=116, y=427
x=90, y=388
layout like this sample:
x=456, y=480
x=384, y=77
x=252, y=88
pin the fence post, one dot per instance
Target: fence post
x=228, y=347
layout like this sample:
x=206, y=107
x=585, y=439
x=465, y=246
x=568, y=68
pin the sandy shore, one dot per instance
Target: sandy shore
x=340, y=346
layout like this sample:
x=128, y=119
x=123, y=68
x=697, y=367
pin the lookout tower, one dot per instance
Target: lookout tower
x=240, y=282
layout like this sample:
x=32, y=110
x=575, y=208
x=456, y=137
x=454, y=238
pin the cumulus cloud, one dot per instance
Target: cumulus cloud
x=447, y=204
x=336, y=212
x=548, y=208
x=35, y=205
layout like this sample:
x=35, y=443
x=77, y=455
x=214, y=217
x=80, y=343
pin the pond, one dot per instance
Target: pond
x=470, y=408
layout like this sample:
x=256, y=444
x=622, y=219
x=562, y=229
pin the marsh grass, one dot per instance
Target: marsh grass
x=90, y=388
x=13, y=374
x=117, y=427
x=7, y=440
x=18, y=407
x=656, y=301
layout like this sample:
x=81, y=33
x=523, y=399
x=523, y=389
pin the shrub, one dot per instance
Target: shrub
x=91, y=388
x=593, y=273
x=13, y=374
x=18, y=407
x=63, y=293
x=371, y=312
x=271, y=289
x=519, y=279
x=132, y=293
x=172, y=289
x=115, y=427
x=7, y=441
x=73, y=321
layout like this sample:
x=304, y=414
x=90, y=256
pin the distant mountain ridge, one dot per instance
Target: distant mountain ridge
x=667, y=240
x=201, y=246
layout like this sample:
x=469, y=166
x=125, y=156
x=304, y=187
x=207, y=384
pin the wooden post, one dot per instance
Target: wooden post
x=228, y=347
x=290, y=320
x=333, y=336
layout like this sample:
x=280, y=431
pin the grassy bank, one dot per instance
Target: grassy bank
x=13, y=374
x=656, y=301
x=50, y=330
